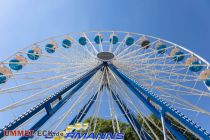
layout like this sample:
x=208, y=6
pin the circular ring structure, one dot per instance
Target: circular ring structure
x=176, y=77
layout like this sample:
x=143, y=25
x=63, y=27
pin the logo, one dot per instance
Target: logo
x=74, y=132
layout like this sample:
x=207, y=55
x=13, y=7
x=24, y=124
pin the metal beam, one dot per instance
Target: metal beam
x=46, y=104
x=144, y=98
x=193, y=127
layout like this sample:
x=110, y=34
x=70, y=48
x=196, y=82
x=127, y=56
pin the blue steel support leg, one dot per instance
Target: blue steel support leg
x=46, y=104
x=54, y=110
x=130, y=117
x=144, y=99
x=142, y=91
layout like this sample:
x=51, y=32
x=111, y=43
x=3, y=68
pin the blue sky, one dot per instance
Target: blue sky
x=185, y=22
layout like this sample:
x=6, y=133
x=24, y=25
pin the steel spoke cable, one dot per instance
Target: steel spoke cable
x=121, y=44
x=90, y=43
x=135, y=128
x=85, y=47
x=79, y=99
x=127, y=97
x=184, y=101
x=109, y=101
x=133, y=45
x=98, y=92
x=144, y=54
x=141, y=115
x=121, y=55
x=185, y=87
x=29, y=97
x=111, y=43
x=50, y=78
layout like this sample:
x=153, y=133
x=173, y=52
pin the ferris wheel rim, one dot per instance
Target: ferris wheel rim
x=120, y=54
x=113, y=31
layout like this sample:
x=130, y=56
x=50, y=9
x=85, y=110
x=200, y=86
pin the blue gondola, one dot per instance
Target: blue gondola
x=3, y=78
x=50, y=48
x=129, y=41
x=15, y=64
x=32, y=55
x=113, y=39
x=82, y=41
x=66, y=43
x=161, y=48
x=178, y=56
x=98, y=39
x=207, y=81
x=196, y=66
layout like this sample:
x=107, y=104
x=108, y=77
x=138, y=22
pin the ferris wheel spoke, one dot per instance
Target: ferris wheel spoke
x=135, y=107
x=100, y=42
x=204, y=65
x=124, y=51
x=111, y=43
x=149, y=71
x=132, y=102
x=43, y=63
x=130, y=119
x=123, y=90
x=123, y=54
x=40, y=92
x=144, y=54
x=165, y=70
x=122, y=43
x=89, y=87
x=132, y=53
x=151, y=59
x=85, y=48
x=42, y=80
x=111, y=109
x=176, y=76
x=11, y=106
x=96, y=52
x=135, y=127
x=98, y=91
x=177, y=84
x=180, y=100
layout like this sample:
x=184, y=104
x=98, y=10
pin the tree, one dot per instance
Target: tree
x=104, y=125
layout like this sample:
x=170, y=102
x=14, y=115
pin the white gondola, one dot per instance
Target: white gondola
x=205, y=76
x=144, y=42
x=190, y=60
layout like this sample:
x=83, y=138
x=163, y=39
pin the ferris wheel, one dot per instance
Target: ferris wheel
x=114, y=75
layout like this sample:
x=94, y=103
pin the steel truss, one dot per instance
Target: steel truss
x=147, y=97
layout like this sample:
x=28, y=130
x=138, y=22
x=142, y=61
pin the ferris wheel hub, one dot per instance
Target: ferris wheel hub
x=105, y=56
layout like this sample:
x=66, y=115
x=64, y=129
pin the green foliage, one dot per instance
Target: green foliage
x=106, y=126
